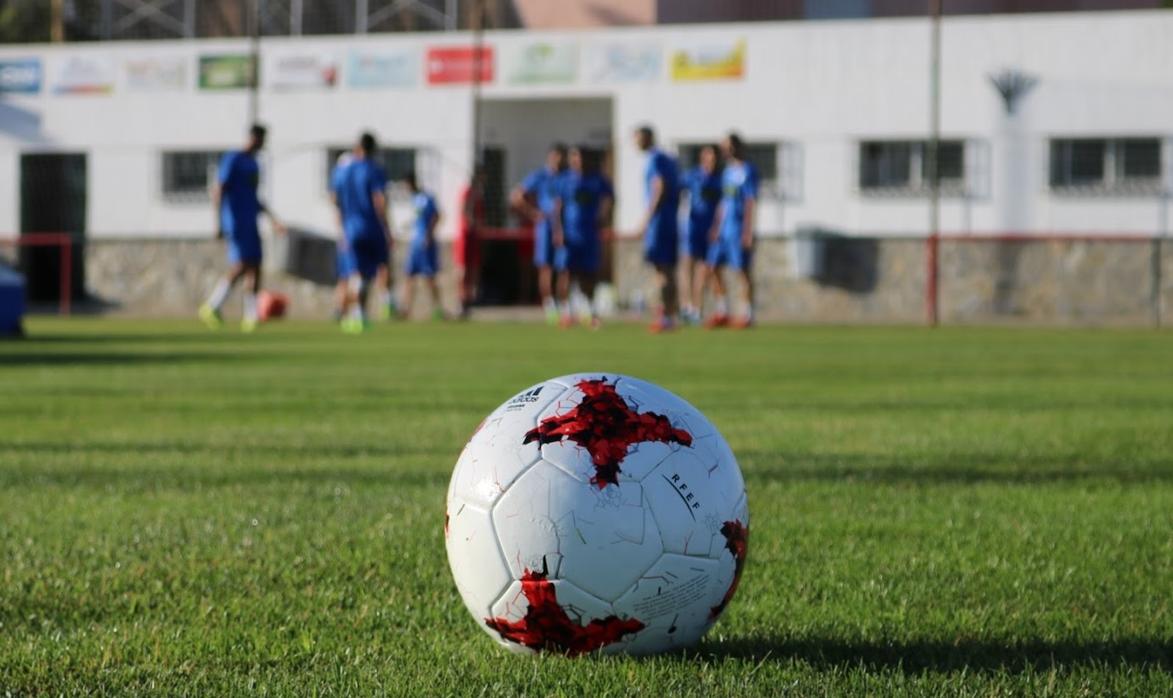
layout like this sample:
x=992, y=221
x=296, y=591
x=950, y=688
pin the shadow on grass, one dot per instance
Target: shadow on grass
x=193, y=479
x=964, y=468
x=963, y=655
x=120, y=358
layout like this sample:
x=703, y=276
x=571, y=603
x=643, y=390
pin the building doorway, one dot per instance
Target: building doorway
x=53, y=191
x=518, y=133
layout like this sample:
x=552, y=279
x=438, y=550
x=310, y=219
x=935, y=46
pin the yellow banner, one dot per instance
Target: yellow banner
x=709, y=63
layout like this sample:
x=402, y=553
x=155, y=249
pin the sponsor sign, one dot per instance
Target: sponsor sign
x=625, y=63
x=20, y=76
x=453, y=65
x=230, y=71
x=159, y=74
x=85, y=75
x=714, y=62
x=373, y=69
x=301, y=71
x=543, y=64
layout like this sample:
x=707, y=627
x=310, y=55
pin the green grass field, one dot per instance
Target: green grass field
x=962, y=511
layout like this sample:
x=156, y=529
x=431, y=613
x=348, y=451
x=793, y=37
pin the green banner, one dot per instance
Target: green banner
x=226, y=71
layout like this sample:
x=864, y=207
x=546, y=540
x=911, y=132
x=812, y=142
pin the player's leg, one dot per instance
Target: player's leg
x=745, y=279
x=587, y=282
x=720, y=315
x=684, y=280
x=408, y=296
x=252, y=280
x=700, y=278
x=383, y=283
x=666, y=285
x=437, y=304
x=562, y=295
x=210, y=311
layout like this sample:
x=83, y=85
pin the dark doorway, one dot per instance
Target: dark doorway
x=503, y=271
x=53, y=200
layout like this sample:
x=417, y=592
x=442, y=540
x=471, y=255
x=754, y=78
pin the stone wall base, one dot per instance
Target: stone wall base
x=874, y=281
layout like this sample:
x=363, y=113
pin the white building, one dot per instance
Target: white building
x=838, y=112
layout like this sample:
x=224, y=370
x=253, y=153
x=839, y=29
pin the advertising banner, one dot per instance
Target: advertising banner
x=20, y=76
x=624, y=63
x=366, y=69
x=543, y=64
x=85, y=75
x=156, y=74
x=719, y=62
x=230, y=71
x=454, y=65
x=301, y=71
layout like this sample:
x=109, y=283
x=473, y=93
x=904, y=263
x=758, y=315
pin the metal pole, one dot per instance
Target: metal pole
x=189, y=19
x=255, y=62
x=295, y=17
x=931, y=165
x=478, y=46
x=451, y=15
x=57, y=21
x=361, y=16
x=1157, y=259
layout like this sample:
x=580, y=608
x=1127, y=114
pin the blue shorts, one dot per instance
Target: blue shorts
x=696, y=243
x=583, y=257
x=543, y=244
x=422, y=260
x=661, y=244
x=244, y=248
x=365, y=255
x=729, y=253
x=343, y=264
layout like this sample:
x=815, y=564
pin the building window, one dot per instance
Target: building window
x=396, y=162
x=902, y=167
x=1106, y=165
x=189, y=175
x=779, y=166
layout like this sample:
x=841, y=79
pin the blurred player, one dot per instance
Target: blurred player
x=342, y=264
x=423, y=258
x=703, y=185
x=660, y=225
x=733, y=233
x=466, y=252
x=583, y=204
x=535, y=197
x=363, y=200
x=237, y=207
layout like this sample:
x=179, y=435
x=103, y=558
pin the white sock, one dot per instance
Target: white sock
x=721, y=306
x=749, y=311
x=550, y=305
x=356, y=312
x=564, y=309
x=386, y=300
x=219, y=294
x=250, y=307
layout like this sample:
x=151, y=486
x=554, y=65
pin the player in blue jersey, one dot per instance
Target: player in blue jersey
x=733, y=233
x=661, y=224
x=342, y=261
x=423, y=261
x=237, y=206
x=362, y=197
x=534, y=198
x=583, y=205
x=702, y=186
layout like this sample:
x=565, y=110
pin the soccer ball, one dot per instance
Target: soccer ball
x=596, y=513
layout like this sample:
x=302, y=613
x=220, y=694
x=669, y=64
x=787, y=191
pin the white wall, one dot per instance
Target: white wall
x=823, y=86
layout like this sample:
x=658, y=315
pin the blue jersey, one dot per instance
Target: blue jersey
x=358, y=183
x=582, y=197
x=426, y=213
x=739, y=184
x=663, y=167
x=704, y=193
x=239, y=178
x=337, y=175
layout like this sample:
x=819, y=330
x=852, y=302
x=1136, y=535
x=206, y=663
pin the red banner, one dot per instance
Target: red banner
x=458, y=65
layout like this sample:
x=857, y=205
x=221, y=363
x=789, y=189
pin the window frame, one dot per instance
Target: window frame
x=194, y=195
x=1114, y=179
x=917, y=184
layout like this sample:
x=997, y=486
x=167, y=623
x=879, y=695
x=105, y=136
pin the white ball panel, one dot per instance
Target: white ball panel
x=671, y=600
x=474, y=556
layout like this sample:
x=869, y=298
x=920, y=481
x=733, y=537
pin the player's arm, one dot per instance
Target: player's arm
x=433, y=225
x=718, y=219
x=278, y=226
x=524, y=199
x=747, y=227
x=656, y=196
x=559, y=235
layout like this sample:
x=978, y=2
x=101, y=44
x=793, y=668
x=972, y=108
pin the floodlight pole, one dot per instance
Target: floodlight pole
x=478, y=46
x=932, y=301
x=254, y=61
